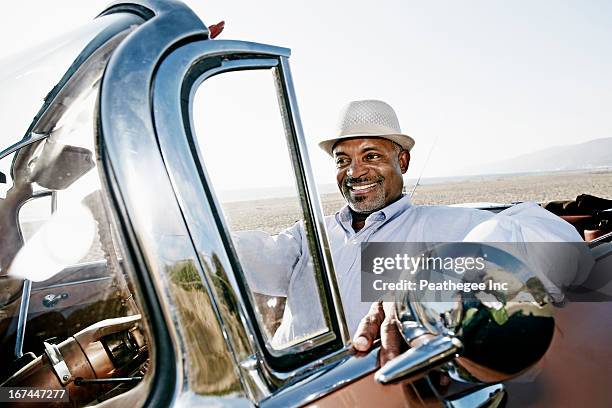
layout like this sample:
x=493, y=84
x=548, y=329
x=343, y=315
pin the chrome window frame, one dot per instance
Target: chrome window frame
x=177, y=79
x=126, y=139
x=238, y=278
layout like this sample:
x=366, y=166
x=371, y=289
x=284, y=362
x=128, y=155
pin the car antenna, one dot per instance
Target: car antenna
x=424, y=165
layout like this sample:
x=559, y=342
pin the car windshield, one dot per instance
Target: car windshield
x=64, y=284
x=27, y=77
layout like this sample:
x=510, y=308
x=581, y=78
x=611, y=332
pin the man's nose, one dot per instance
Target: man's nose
x=356, y=169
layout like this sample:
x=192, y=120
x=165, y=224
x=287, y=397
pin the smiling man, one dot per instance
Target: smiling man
x=369, y=174
x=371, y=155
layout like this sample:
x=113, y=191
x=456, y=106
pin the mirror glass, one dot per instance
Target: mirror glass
x=505, y=326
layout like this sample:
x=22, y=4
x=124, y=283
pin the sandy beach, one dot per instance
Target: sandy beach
x=272, y=215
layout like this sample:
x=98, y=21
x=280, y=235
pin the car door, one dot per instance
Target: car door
x=226, y=167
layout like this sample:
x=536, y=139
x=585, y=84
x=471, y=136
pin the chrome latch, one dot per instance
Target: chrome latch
x=51, y=299
x=57, y=363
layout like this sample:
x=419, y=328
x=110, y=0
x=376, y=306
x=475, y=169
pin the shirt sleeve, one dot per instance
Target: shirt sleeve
x=524, y=225
x=268, y=260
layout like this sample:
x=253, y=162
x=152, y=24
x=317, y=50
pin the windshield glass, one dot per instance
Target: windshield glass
x=28, y=76
x=66, y=289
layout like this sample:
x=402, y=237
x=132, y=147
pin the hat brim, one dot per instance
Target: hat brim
x=405, y=141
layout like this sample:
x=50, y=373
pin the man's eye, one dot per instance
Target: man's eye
x=373, y=156
x=341, y=162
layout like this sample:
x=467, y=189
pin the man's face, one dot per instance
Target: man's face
x=369, y=172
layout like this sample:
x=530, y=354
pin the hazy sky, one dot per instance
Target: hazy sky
x=490, y=79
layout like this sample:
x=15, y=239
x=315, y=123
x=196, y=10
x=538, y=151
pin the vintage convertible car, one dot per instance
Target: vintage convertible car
x=119, y=279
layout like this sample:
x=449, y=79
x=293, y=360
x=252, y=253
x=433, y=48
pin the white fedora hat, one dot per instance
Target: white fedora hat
x=368, y=118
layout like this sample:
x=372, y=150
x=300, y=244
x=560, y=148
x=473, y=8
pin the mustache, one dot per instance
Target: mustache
x=349, y=181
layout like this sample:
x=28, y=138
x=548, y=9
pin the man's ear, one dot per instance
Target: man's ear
x=404, y=160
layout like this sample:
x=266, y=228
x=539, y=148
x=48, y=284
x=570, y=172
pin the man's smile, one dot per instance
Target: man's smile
x=359, y=189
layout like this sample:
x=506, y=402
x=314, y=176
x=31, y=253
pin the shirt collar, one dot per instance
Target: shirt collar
x=345, y=218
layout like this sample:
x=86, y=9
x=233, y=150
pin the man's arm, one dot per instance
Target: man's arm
x=522, y=223
x=555, y=264
x=268, y=260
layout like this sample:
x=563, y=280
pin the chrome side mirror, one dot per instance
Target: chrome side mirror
x=479, y=336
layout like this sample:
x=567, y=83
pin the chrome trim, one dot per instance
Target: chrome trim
x=27, y=140
x=53, y=201
x=486, y=396
x=225, y=66
x=258, y=386
x=332, y=376
x=51, y=300
x=137, y=179
x=168, y=115
x=419, y=360
x=64, y=285
x=313, y=199
x=178, y=155
x=225, y=47
x=57, y=363
x=189, y=189
x=200, y=224
x=600, y=240
x=148, y=9
x=24, y=306
x=411, y=329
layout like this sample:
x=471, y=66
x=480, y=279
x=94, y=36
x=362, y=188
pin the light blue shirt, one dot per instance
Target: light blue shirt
x=281, y=265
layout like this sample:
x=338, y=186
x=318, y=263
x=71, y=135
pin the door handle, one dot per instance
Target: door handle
x=419, y=360
x=51, y=300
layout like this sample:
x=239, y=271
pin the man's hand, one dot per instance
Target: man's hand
x=380, y=319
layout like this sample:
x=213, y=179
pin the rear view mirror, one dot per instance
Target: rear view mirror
x=60, y=165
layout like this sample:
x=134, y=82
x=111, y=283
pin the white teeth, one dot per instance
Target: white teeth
x=363, y=187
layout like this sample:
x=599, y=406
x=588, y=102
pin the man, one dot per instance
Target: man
x=371, y=155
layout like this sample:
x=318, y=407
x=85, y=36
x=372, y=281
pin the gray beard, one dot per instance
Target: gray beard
x=363, y=204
